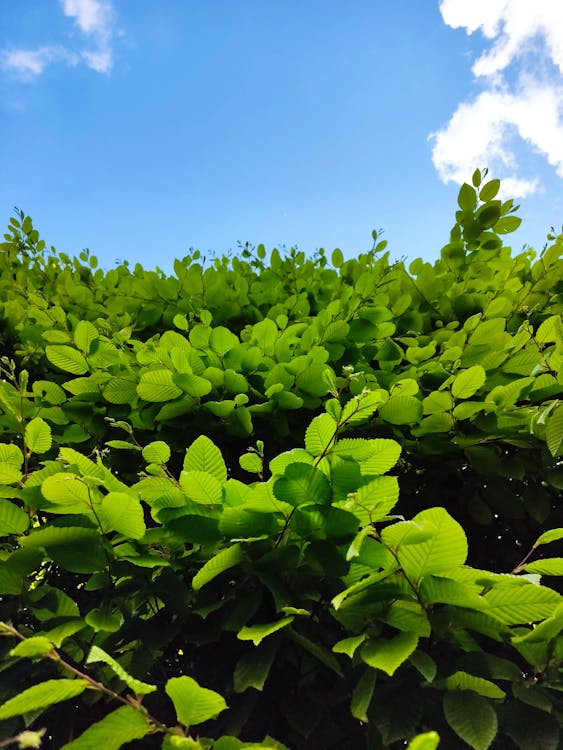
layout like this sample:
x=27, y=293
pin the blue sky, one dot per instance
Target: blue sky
x=141, y=129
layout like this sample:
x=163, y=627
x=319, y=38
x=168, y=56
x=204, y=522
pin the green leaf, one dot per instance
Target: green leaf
x=489, y=190
x=84, y=333
x=41, y=696
x=193, y=703
x=222, y=340
x=10, y=582
x=9, y=474
x=467, y=197
x=360, y=408
x=550, y=628
x=11, y=454
x=476, y=180
x=32, y=648
x=174, y=742
x=548, y=566
x=468, y=382
x=122, y=445
x=349, y=646
x=553, y=535
x=222, y=561
x=444, y=550
x=424, y=663
x=312, y=647
x=203, y=455
x=253, y=668
x=401, y=410
x=120, y=391
x=426, y=741
x=302, y=484
x=38, y=436
x=115, y=730
x=57, y=536
x=139, y=688
x=389, y=654
x=156, y=452
x=362, y=695
x=434, y=590
x=521, y=604
x=375, y=456
x=257, y=633
x=67, y=490
x=507, y=224
x=251, y=462
x=471, y=717
x=123, y=513
x=201, y=487
x=320, y=434
x=100, y=620
x=554, y=432
x=373, y=501
x=157, y=386
x=13, y=520
x=464, y=681
x=66, y=358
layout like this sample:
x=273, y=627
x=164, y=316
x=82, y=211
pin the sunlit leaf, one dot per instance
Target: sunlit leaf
x=38, y=436
x=140, y=688
x=193, y=703
x=41, y=696
x=115, y=730
x=223, y=560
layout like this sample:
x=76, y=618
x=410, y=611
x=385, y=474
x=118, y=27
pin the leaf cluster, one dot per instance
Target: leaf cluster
x=303, y=498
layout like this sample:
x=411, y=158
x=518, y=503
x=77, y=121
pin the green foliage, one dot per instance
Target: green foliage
x=285, y=498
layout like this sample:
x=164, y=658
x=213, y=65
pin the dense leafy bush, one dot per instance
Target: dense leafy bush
x=315, y=491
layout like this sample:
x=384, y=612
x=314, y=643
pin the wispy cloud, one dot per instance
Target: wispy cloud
x=526, y=41
x=94, y=21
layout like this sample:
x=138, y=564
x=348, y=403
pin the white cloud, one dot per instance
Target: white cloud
x=94, y=20
x=31, y=62
x=488, y=130
x=92, y=16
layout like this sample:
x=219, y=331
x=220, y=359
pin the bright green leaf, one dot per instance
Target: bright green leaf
x=362, y=695
x=38, y=436
x=548, y=566
x=257, y=633
x=203, y=455
x=13, y=520
x=32, y=648
x=115, y=730
x=389, y=654
x=194, y=704
x=426, y=741
x=320, y=434
x=223, y=560
x=521, y=604
x=444, y=550
x=139, y=688
x=468, y=382
x=156, y=452
x=554, y=432
x=84, y=333
x=464, y=681
x=66, y=358
x=401, y=410
x=41, y=696
x=553, y=535
x=123, y=513
x=157, y=386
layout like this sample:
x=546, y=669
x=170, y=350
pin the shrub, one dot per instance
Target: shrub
x=202, y=530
